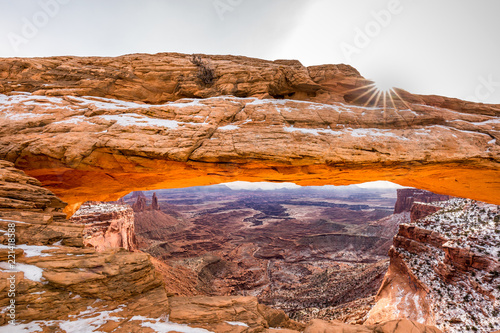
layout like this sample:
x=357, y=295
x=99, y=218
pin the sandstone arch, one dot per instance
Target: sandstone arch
x=97, y=128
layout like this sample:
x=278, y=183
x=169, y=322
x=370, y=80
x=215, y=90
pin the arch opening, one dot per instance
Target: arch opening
x=318, y=251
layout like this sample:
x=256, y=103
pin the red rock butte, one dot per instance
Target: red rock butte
x=94, y=128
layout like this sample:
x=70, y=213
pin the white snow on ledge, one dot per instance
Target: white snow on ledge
x=313, y=131
x=355, y=132
x=166, y=326
x=21, y=116
x=134, y=119
x=31, y=272
x=72, y=120
x=229, y=128
x=90, y=320
x=129, y=119
x=362, y=132
x=32, y=250
x=236, y=323
x=116, y=104
x=7, y=101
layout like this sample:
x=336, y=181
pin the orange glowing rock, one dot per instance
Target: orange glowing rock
x=85, y=139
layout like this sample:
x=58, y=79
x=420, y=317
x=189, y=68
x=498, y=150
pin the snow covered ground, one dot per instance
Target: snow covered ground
x=92, y=319
x=472, y=302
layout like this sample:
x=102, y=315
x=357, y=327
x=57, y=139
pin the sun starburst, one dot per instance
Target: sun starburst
x=380, y=91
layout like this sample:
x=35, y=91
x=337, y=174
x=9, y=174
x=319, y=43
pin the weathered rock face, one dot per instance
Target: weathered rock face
x=228, y=311
x=154, y=202
x=81, y=127
x=169, y=76
x=394, y=326
x=62, y=286
x=313, y=136
x=141, y=205
x=444, y=269
x=55, y=276
x=107, y=225
x=407, y=196
x=22, y=192
x=39, y=211
x=420, y=210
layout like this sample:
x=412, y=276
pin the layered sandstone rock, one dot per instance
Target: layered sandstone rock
x=228, y=311
x=56, y=278
x=407, y=196
x=170, y=76
x=38, y=212
x=69, y=288
x=308, y=128
x=411, y=205
x=61, y=285
x=107, y=225
x=141, y=203
x=420, y=210
x=394, y=326
x=444, y=269
x=21, y=192
x=167, y=77
x=154, y=202
x=96, y=128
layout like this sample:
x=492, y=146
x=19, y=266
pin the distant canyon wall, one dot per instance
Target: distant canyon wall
x=107, y=225
x=407, y=196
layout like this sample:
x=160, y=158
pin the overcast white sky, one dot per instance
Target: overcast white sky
x=242, y=185
x=445, y=47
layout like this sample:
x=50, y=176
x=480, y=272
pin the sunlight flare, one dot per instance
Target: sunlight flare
x=380, y=91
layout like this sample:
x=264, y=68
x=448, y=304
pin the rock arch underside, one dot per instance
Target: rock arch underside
x=90, y=128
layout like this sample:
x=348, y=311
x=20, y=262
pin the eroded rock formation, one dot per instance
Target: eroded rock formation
x=107, y=225
x=63, y=286
x=419, y=210
x=402, y=325
x=56, y=277
x=259, y=120
x=224, y=312
x=293, y=249
x=444, y=268
x=97, y=128
x=154, y=202
x=141, y=203
x=407, y=196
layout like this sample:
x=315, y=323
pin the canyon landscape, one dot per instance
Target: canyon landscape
x=117, y=211
x=290, y=252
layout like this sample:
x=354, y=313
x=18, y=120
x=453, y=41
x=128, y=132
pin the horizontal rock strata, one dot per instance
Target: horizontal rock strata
x=444, y=268
x=142, y=121
x=106, y=225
